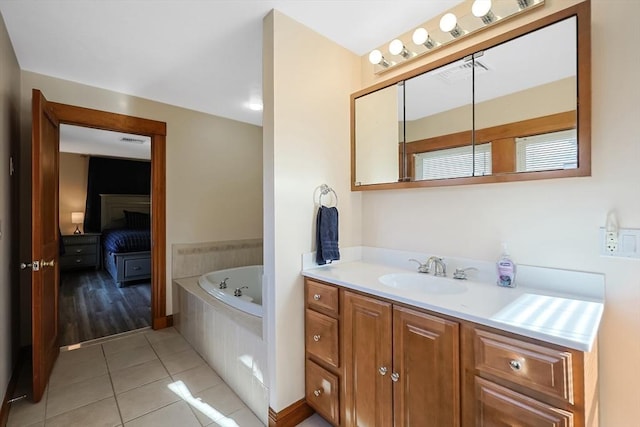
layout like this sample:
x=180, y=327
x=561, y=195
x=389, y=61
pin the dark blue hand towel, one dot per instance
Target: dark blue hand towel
x=327, y=235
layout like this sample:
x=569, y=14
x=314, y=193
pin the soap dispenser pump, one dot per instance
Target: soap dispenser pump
x=506, y=269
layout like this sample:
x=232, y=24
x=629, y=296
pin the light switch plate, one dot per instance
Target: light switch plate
x=628, y=243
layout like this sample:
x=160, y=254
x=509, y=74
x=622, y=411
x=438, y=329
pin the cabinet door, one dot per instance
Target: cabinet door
x=426, y=357
x=367, y=352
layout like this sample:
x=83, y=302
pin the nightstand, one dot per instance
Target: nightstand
x=80, y=251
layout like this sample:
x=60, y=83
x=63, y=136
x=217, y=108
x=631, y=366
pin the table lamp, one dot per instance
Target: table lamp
x=77, y=218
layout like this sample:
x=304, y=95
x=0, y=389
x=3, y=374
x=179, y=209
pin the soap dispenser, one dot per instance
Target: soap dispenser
x=506, y=269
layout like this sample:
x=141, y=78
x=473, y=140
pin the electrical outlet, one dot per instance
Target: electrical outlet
x=623, y=243
x=611, y=242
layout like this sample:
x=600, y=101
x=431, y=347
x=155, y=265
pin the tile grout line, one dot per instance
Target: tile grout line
x=113, y=389
x=171, y=375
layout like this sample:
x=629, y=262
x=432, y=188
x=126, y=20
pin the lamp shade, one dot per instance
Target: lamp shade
x=77, y=217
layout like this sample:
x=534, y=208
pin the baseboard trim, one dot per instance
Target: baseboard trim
x=163, y=322
x=11, y=386
x=290, y=416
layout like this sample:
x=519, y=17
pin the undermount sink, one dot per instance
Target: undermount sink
x=420, y=282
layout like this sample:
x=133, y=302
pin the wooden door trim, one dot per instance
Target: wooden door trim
x=157, y=131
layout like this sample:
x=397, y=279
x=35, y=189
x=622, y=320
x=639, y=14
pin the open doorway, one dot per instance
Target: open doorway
x=104, y=220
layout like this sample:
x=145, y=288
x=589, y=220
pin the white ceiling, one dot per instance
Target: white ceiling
x=204, y=55
x=97, y=142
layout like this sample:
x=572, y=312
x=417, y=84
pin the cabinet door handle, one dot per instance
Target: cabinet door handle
x=316, y=297
x=317, y=392
x=316, y=338
x=395, y=377
x=383, y=370
x=515, y=365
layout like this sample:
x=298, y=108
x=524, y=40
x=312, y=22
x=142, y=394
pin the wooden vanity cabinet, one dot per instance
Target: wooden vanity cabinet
x=509, y=380
x=322, y=350
x=373, y=362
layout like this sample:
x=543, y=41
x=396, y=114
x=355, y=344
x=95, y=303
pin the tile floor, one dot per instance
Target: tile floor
x=149, y=378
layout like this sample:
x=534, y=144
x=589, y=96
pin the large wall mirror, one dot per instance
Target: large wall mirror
x=516, y=107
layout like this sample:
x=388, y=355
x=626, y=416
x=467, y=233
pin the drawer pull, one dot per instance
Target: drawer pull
x=316, y=338
x=515, y=365
x=316, y=297
x=382, y=370
x=137, y=267
x=78, y=261
x=78, y=251
x=317, y=392
x=395, y=377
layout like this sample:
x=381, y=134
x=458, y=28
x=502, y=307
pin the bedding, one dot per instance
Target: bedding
x=126, y=240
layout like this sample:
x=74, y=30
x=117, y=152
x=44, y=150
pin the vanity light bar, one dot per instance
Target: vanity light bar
x=480, y=14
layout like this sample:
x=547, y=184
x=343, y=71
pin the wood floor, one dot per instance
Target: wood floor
x=92, y=306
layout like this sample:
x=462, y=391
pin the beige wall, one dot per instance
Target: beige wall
x=73, y=188
x=213, y=174
x=9, y=128
x=377, y=137
x=543, y=100
x=552, y=223
x=307, y=82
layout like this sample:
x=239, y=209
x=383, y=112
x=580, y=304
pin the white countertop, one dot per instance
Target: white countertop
x=560, y=315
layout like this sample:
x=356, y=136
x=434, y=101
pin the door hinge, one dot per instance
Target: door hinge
x=35, y=266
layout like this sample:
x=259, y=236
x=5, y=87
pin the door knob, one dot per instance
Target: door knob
x=395, y=377
x=382, y=370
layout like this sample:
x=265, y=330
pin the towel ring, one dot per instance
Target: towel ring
x=324, y=190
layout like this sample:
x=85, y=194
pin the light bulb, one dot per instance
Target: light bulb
x=421, y=37
x=375, y=57
x=396, y=47
x=448, y=22
x=480, y=8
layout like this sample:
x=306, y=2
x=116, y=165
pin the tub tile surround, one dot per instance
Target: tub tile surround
x=559, y=306
x=195, y=259
x=228, y=340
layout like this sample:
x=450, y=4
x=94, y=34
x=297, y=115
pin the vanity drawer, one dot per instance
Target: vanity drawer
x=499, y=406
x=537, y=367
x=322, y=337
x=323, y=392
x=322, y=297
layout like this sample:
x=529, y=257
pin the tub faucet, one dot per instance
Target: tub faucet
x=223, y=284
x=440, y=268
x=238, y=291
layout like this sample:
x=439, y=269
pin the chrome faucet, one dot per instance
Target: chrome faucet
x=440, y=268
x=422, y=268
x=461, y=273
x=238, y=291
x=223, y=284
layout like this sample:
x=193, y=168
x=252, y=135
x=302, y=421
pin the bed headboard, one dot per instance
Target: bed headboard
x=112, y=207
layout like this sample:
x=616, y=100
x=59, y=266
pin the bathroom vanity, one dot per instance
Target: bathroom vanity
x=471, y=355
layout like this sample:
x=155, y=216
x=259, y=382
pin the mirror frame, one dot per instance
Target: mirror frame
x=582, y=12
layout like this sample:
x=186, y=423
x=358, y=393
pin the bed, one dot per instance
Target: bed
x=126, y=236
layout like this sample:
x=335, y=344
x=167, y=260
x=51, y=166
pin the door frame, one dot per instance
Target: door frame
x=157, y=131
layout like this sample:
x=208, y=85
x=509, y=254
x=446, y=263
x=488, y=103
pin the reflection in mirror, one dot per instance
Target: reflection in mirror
x=525, y=101
x=439, y=122
x=379, y=133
